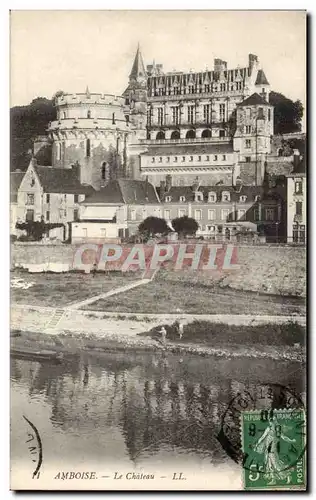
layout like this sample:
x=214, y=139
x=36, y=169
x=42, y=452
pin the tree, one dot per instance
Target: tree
x=35, y=230
x=26, y=123
x=152, y=226
x=288, y=114
x=185, y=226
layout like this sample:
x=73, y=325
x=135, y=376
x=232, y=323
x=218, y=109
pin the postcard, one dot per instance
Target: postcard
x=158, y=250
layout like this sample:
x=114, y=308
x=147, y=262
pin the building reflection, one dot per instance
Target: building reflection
x=155, y=401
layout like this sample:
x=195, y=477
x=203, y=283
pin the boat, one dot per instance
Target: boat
x=40, y=356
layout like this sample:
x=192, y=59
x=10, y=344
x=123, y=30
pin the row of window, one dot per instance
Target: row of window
x=196, y=89
x=211, y=214
x=88, y=115
x=30, y=198
x=62, y=214
x=191, y=114
x=190, y=134
x=189, y=158
x=212, y=197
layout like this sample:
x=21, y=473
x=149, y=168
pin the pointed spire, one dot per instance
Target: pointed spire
x=138, y=69
x=87, y=91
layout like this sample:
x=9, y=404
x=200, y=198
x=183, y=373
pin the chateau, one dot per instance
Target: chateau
x=214, y=126
x=201, y=143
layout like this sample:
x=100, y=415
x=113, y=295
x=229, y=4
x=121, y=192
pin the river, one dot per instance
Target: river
x=135, y=412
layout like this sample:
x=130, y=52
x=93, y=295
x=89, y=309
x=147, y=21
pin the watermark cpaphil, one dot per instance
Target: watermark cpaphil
x=143, y=257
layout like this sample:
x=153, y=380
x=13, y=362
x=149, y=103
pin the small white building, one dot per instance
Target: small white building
x=115, y=211
x=296, y=202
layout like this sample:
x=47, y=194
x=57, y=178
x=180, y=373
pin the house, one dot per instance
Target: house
x=51, y=194
x=15, y=181
x=224, y=211
x=296, y=201
x=116, y=211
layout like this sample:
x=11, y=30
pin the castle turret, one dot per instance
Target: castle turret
x=254, y=127
x=136, y=95
x=90, y=129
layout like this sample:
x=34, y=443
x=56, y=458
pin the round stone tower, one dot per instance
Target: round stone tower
x=92, y=131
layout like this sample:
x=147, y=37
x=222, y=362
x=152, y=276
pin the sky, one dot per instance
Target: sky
x=68, y=50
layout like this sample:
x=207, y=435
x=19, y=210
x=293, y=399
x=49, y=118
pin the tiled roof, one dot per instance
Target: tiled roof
x=125, y=191
x=250, y=191
x=188, y=149
x=61, y=180
x=300, y=168
x=261, y=78
x=15, y=181
x=253, y=100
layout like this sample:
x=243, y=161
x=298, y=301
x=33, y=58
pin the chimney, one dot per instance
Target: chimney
x=252, y=60
x=162, y=190
x=146, y=188
x=296, y=158
x=76, y=167
x=220, y=65
x=168, y=182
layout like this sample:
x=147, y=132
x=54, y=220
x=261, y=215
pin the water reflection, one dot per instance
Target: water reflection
x=155, y=402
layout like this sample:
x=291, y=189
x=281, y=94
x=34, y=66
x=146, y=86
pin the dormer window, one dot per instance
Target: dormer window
x=175, y=159
x=257, y=197
x=199, y=158
x=191, y=158
x=183, y=158
x=198, y=196
x=182, y=198
x=160, y=159
x=168, y=198
x=153, y=160
x=168, y=159
x=212, y=197
x=215, y=157
x=243, y=199
x=225, y=196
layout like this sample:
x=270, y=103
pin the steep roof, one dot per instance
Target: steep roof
x=15, y=182
x=261, y=78
x=61, y=180
x=254, y=99
x=124, y=191
x=300, y=168
x=190, y=149
x=138, y=68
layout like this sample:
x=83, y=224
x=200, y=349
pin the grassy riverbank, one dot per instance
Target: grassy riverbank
x=199, y=337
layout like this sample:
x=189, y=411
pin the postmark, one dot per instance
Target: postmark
x=35, y=448
x=273, y=446
x=263, y=397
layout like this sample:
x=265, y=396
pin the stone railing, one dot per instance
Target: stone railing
x=185, y=141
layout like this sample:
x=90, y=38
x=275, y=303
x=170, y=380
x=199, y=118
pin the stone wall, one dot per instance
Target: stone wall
x=266, y=269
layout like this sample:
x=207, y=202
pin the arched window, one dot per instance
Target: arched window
x=175, y=135
x=190, y=134
x=160, y=136
x=206, y=133
x=103, y=171
x=89, y=114
x=88, y=148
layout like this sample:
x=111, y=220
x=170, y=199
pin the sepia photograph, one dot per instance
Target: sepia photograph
x=158, y=233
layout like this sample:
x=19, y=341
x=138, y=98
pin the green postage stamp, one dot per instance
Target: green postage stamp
x=273, y=445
